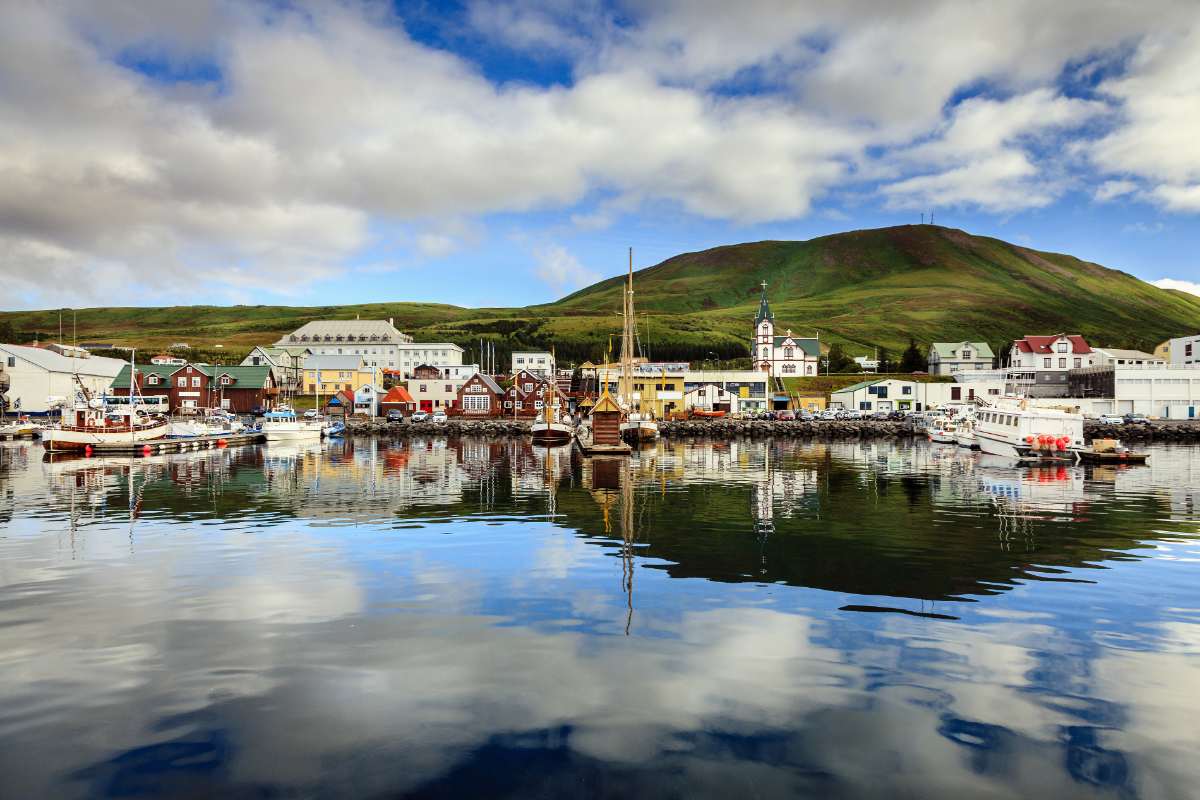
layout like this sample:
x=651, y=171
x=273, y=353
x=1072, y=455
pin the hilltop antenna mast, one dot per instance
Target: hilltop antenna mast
x=922, y=217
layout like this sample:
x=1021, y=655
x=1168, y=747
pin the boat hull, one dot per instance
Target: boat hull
x=552, y=433
x=639, y=431
x=55, y=439
x=967, y=441
x=292, y=434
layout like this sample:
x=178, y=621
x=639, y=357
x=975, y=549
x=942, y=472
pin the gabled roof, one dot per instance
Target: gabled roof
x=860, y=385
x=243, y=377
x=486, y=380
x=317, y=330
x=810, y=345
x=1043, y=344
x=946, y=350
x=606, y=403
x=397, y=394
x=54, y=362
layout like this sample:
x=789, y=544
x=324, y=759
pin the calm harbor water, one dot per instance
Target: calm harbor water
x=466, y=618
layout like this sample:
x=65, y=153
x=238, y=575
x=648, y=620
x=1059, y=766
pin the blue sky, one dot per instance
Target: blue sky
x=508, y=153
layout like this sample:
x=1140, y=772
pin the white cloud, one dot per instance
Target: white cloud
x=1144, y=227
x=329, y=123
x=1190, y=287
x=561, y=270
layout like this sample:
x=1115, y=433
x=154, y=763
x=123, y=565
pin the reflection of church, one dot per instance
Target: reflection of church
x=781, y=356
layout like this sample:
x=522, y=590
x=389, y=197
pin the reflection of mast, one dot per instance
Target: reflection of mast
x=626, y=390
x=628, y=534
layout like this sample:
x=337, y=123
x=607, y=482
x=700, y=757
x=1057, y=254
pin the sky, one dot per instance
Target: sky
x=489, y=154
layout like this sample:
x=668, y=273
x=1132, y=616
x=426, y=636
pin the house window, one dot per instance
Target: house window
x=225, y=381
x=956, y=393
x=152, y=380
x=508, y=403
x=1078, y=363
x=423, y=388
x=966, y=355
x=1062, y=363
x=1187, y=351
x=528, y=388
x=449, y=387
x=255, y=361
x=906, y=390
x=764, y=352
x=1062, y=347
x=12, y=360
x=195, y=381
x=182, y=382
x=312, y=387
x=788, y=369
x=789, y=352
x=1046, y=363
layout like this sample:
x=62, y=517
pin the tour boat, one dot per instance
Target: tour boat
x=1019, y=431
x=285, y=426
x=548, y=428
x=943, y=432
x=90, y=424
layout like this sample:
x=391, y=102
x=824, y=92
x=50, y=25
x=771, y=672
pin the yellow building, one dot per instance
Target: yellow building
x=1163, y=351
x=329, y=374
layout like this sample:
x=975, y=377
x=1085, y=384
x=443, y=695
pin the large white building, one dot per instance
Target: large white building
x=539, y=363
x=1156, y=391
x=1184, y=351
x=781, y=356
x=1114, y=357
x=39, y=375
x=377, y=341
x=897, y=394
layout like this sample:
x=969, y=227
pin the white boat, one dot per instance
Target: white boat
x=943, y=432
x=549, y=428
x=21, y=428
x=283, y=425
x=639, y=427
x=215, y=423
x=90, y=424
x=965, y=435
x=1016, y=430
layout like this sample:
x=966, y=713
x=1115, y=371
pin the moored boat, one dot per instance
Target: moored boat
x=1017, y=430
x=90, y=424
x=639, y=427
x=965, y=435
x=549, y=428
x=283, y=425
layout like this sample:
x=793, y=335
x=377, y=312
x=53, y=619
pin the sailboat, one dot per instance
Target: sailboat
x=638, y=425
x=549, y=428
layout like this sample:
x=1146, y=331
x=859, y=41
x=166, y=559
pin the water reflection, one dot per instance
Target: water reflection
x=472, y=617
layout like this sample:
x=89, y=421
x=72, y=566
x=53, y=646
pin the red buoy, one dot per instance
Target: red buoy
x=146, y=450
x=222, y=443
x=87, y=449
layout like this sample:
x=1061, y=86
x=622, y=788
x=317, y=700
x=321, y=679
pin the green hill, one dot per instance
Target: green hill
x=868, y=288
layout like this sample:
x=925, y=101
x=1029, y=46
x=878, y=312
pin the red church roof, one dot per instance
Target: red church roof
x=1044, y=344
x=397, y=394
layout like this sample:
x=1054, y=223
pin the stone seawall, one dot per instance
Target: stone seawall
x=1167, y=432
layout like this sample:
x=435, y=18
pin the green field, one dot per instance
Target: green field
x=865, y=289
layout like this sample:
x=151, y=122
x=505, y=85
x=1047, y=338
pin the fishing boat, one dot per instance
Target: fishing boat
x=213, y=422
x=283, y=425
x=549, y=427
x=639, y=424
x=965, y=435
x=92, y=422
x=943, y=431
x=1017, y=430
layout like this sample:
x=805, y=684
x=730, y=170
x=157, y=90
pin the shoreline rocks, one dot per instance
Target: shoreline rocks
x=1180, y=432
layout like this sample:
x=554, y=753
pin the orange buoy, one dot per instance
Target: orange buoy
x=222, y=443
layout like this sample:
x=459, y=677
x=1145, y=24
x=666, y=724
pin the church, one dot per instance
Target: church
x=781, y=356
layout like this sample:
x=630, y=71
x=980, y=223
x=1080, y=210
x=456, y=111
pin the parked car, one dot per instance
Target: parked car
x=1137, y=419
x=1111, y=419
x=439, y=416
x=830, y=413
x=806, y=416
x=852, y=414
x=897, y=416
x=419, y=416
x=785, y=415
x=395, y=415
x=310, y=414
x=881, y=415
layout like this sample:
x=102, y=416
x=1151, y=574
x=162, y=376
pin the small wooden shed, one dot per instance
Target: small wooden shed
x=606, y=421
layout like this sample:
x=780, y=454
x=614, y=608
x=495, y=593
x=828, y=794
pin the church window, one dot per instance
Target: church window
x=789, y=352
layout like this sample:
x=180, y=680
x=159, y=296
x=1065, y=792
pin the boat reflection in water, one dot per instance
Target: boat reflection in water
x=467, y=617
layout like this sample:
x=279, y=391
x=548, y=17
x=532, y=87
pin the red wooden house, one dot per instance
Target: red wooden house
x=481, y=396
x=239, y=389
x=527, y=394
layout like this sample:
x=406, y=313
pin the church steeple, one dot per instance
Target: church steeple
x=764, y=309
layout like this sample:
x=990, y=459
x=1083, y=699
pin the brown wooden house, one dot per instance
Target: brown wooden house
x=481, y=396
x=524, y=398
x=191, y=387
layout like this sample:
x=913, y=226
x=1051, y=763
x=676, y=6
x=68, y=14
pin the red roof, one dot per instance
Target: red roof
x=397, y=394
x=1045, y=344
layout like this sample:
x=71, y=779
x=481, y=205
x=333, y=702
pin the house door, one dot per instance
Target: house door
x=1191, y=412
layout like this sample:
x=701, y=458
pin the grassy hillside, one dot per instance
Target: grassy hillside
x=866, y=289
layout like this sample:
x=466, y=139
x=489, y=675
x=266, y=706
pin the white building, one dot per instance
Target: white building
x=1156, y=391
x=948, y=358
x=1040, y=363
x=1112, y=357
x=37, y=374
x=896, y=394
x=711, y=397
x=435, y=386
x=867, y=364
x=540, y=364
x=1184, y=351
x=781, y=356
x=661, y=380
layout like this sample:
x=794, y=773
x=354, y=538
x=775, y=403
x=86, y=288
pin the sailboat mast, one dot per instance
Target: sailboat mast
x=627, y=337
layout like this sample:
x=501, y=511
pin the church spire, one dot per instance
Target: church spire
x=764, y=309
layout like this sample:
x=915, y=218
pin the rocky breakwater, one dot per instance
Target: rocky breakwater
x=823, y=429
x=1181, y=432
x=451, y=427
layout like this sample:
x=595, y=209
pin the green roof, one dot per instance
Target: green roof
x=945, y=349
x=810, y=345
x=244, y=377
